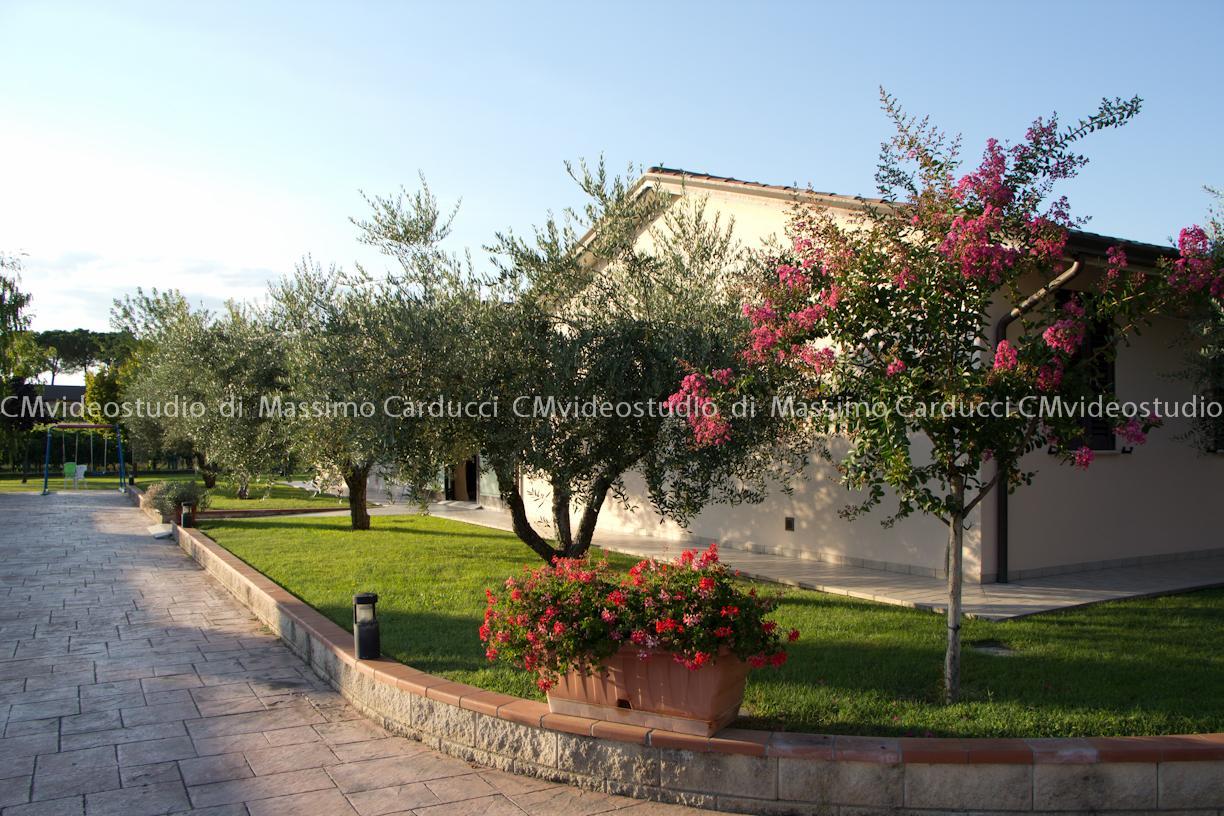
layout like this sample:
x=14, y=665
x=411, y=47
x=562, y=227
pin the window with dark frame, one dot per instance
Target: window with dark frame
x=1096, y=352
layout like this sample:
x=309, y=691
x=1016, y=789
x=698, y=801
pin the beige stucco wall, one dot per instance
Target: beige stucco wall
x=1160, y=500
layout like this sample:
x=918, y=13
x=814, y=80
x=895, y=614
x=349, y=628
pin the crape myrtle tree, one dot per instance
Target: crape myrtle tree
x=890, y=304
x=600, y=311
x=1199, y=267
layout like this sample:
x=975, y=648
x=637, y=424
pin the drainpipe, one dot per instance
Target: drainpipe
x=1000, y=334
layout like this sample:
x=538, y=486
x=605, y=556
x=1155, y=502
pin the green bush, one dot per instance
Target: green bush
x=167, y=496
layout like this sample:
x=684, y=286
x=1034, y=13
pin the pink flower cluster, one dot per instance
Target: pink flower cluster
x=895, y=367
x=1064, y=335
x=1049, y=377
x=1005, y=358
x=1195, y=270
x=970, y=243
x=1083, y=457
x=693, y=402
x=1067, y=334
x=818, y=361
x=988, y=182
x=1135, y=430
x=1115, y=262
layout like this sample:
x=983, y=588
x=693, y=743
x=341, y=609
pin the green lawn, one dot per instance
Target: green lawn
x=1134, y=667
x=263, y=495
x=12, y=483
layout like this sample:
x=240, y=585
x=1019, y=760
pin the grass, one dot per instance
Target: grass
x=263, y=494
x=1150, y=666
x=11, y=483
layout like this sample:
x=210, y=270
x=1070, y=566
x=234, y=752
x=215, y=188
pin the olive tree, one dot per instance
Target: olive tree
x=603, y=310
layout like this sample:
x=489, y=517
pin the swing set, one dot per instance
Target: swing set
x=81, y=426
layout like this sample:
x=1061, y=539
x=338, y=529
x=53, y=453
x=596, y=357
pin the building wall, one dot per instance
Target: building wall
x=1159, y=501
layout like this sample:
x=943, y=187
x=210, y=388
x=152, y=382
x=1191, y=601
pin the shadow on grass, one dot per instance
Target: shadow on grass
x=381, y=524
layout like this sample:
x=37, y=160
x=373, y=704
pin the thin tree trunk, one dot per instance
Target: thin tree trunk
x=590, y=516
x=956, y=535
x=355, y=479
x=243, y=489
x=25, y=462
x=507, y=487
x=561, y=517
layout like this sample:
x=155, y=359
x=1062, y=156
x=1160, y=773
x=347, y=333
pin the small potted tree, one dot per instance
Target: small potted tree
x=669, y=645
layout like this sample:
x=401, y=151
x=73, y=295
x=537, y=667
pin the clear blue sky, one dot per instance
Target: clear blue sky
x=207, y=146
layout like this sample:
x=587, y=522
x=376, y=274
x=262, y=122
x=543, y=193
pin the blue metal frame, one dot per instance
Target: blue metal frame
x=83, y=427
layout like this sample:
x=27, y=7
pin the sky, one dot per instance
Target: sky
x=209, y=146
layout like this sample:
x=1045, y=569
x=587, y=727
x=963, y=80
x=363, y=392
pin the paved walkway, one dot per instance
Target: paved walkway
x=988, y=601
x=132, y=684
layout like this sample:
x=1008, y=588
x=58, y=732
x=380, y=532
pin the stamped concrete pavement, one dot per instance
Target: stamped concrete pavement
x=132, y=684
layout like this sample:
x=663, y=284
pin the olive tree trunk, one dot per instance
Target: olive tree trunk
x=355, y=480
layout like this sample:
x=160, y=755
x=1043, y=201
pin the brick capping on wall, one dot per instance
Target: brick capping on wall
x=737, y=769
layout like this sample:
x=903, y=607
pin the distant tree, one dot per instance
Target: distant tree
x=226, y=363
x=18, y=353
x=14, y=318
x=162, y=375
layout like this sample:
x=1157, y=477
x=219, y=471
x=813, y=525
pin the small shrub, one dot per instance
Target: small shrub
x=167, y=496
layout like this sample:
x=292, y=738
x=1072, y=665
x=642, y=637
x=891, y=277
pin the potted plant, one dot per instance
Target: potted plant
x=168, y=498
x=669, y=645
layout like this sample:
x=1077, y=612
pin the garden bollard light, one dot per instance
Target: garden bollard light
x=185, y=519
x=365, y=626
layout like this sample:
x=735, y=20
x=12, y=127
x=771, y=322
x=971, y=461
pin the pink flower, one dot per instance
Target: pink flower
x=1065, y=335
x=987, y=182
x=895, y=367
x=1083, y=457
x=1132, y=431
x=1049, y=377
x=819, y=360
x=1005, y=358
x=1116, y=258
x=809, y=316
x=904, y=278
x=791, y=277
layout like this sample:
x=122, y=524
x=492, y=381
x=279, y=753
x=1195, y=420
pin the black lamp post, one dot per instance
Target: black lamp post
x=365, y=626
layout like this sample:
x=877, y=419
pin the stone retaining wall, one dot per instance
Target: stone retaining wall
x=739, y=770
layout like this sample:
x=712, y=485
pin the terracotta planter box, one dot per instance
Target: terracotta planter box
x=656, y=692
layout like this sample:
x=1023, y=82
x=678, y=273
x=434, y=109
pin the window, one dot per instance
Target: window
x=1095, y=363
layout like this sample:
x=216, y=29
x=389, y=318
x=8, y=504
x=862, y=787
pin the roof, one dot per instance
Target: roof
x=1081, y=241
x=67, y=393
